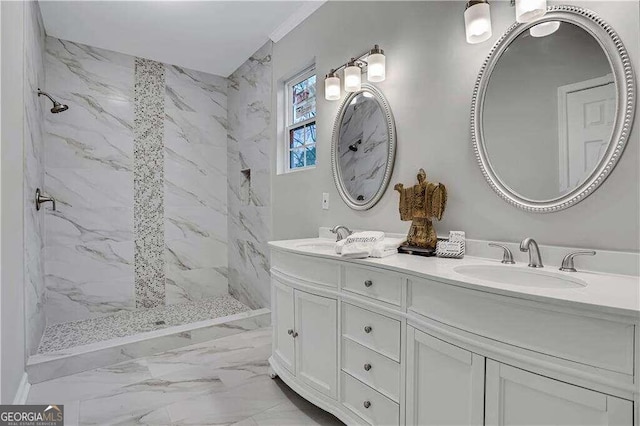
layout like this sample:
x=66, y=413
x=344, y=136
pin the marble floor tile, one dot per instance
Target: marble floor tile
x=220, y=382
x=89, y=384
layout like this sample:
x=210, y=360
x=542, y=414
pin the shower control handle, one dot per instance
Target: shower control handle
x=44, y=199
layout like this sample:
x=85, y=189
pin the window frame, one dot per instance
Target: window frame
x=290, y=126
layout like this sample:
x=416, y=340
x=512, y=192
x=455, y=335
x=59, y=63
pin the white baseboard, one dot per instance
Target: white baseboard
x=23, y=391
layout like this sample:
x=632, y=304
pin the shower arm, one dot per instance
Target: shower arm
x=41, y=93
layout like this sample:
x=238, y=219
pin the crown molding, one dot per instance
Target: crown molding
x=296, y=19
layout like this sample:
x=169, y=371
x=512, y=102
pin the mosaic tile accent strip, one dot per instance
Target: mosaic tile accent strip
x=148, y=183
x=69, y=334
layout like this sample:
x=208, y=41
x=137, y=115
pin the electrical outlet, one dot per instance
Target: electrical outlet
x=325, y=201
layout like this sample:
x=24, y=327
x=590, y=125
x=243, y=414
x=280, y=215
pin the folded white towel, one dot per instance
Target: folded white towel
x=386, y=247
x=339, y=245
x=391, y=243
x=360, y=244
x=377, y=253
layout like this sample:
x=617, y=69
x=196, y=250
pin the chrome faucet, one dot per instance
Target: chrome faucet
x=530, y=245
x=567, y=262
x=341, y=232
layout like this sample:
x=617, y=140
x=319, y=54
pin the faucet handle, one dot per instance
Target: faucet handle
x=507, y=256
x=567, y=262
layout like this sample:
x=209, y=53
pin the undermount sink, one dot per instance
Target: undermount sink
x=519, y=276
x=317, y=245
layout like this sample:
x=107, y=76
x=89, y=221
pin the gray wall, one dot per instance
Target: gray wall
x=431, y=72
x=12, y=331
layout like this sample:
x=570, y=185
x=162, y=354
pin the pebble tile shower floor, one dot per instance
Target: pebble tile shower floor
x=76, y=333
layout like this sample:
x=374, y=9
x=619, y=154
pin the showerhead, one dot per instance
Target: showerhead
x=57, y=106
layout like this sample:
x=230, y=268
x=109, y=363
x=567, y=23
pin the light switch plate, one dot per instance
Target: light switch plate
x=325, y=201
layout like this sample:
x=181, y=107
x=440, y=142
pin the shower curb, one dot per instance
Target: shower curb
x=47, y=366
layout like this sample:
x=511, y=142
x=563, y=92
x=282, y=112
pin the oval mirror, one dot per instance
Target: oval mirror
x=363, y=148
x=552, y=109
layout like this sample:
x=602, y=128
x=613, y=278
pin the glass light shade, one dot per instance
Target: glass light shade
x=477, y=23
x=352, y=79
x=544, y=29
x=332, y=88
x=376, y=67
x=529, y=10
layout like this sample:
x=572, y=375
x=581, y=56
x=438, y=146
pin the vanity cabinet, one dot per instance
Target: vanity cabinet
x=517, y=397
x=445, y=383
x=380, y=346
x=305, y=337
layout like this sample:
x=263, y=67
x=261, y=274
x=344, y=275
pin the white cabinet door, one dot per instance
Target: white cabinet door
x=316, y=342
x=283, y=325
x=519, y=397
x=445, y=384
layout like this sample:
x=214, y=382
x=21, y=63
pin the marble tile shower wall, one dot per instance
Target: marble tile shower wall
x=249, y=194
x=34, y=176
x=89, y=161
x=195, y=144
x=89, y=246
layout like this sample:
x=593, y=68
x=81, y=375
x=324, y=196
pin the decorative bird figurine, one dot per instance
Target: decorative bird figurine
x=419, y=204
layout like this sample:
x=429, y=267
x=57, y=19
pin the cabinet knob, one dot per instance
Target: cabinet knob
x=368, y=283
x=367, y=367
x=368, y=329
x=367, y=404
x=289, y=332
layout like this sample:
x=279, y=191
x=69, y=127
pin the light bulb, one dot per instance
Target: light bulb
x=544, y=29
x=352, y=77
x=477, y=21
x=376, y=65
x=530, y=10
x=332, y=86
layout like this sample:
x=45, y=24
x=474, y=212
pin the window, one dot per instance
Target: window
x=300, y=131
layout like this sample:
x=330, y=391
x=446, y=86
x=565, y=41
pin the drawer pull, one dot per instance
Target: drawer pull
x=368, y=329
x=292, y=333
x=367, y=404
x=367, y=367
x=368, y=283
x=289, y=332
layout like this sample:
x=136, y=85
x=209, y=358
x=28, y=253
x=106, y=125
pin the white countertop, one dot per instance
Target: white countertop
x=605, y=293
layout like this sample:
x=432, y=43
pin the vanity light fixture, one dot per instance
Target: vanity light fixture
x=352, y=76
x=376, y=65
x=544, y=29
x=372, y=61
x=477, y=21
x=332, y=86
x=530, y=10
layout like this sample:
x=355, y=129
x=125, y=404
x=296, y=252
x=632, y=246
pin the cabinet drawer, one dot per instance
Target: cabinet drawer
x=313, y=270
x=371, y=368
x=592, y=341
x=372, y=330
x=382, y=286
x=373, y=407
